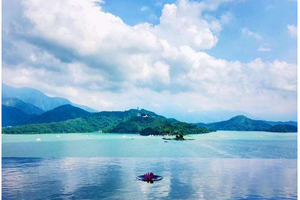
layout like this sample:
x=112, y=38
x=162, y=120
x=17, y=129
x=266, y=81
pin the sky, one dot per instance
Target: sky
x=196, y=61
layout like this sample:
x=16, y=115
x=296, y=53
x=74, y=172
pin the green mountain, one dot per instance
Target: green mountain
x=13, y=116
x=131, y=121
x=242, y=123
x=155, y=125
x=239, y=123
x=283, y=128
x=291, y=123
x=92, y=123
x=37, y=98
x=25, y=107
x=61, y=113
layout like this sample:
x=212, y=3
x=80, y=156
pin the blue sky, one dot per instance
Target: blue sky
x=195, y=61
x=266, y=18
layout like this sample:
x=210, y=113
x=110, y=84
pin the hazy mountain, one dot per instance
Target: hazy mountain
x=33, y=96
x=25, y=107
x=61, y=113
x=292, y=123
x=239, y=123
x=242, y=123
x=37, y=98
x=86, y=108
x=13, y=116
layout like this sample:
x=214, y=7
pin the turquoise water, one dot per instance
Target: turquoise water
x=214, y=145
x=221, y=165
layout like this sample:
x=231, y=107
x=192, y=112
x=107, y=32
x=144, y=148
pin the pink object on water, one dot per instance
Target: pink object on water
x=149, y=177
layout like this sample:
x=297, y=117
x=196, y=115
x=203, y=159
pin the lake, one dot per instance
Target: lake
x=220, y=165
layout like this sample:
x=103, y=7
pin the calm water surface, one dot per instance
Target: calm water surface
x=214, y=145
x=222, y=165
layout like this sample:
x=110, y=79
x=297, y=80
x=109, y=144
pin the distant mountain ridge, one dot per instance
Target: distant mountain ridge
x=131, y=121
x=291, y=123
x=92, y=123
x=15, y=117
x=25, y=107
x=61, y=113
x=242, y=123
x=37, y=98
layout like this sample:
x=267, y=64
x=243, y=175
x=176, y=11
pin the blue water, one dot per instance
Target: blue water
x=222, y=165
x=214, y=145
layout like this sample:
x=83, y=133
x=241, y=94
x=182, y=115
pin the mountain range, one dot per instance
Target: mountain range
x=131, y=121
x=25, y=107
x=30, y=111
x=242, y=123
x=12, y=116
x=37, y=98
x=70, y=119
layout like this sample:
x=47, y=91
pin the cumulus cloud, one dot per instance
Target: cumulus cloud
x=292, y=30
x=183, y=19
x=217, y=24
x=110, y=65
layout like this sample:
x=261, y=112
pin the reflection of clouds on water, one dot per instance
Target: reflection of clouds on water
x=235, y=178
x=159, y=189
x=115, y=178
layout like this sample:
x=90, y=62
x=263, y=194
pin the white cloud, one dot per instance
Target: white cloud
x=292, y=30
x=183, y=19
x=144, y=8
x=117, y=66
x=264, y=49
x=216, y=25
x=226, y=18
x=249, y=33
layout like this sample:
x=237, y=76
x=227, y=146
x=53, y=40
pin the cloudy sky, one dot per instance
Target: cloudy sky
x=193, y=60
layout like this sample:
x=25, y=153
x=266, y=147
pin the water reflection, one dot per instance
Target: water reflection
x=115, y=178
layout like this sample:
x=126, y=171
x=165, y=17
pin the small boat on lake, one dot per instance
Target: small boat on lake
x=178, y=138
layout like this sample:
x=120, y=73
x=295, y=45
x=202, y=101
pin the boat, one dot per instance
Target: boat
x=178, y=138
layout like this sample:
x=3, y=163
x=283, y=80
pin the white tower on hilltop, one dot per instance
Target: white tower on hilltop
x=138, y=114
